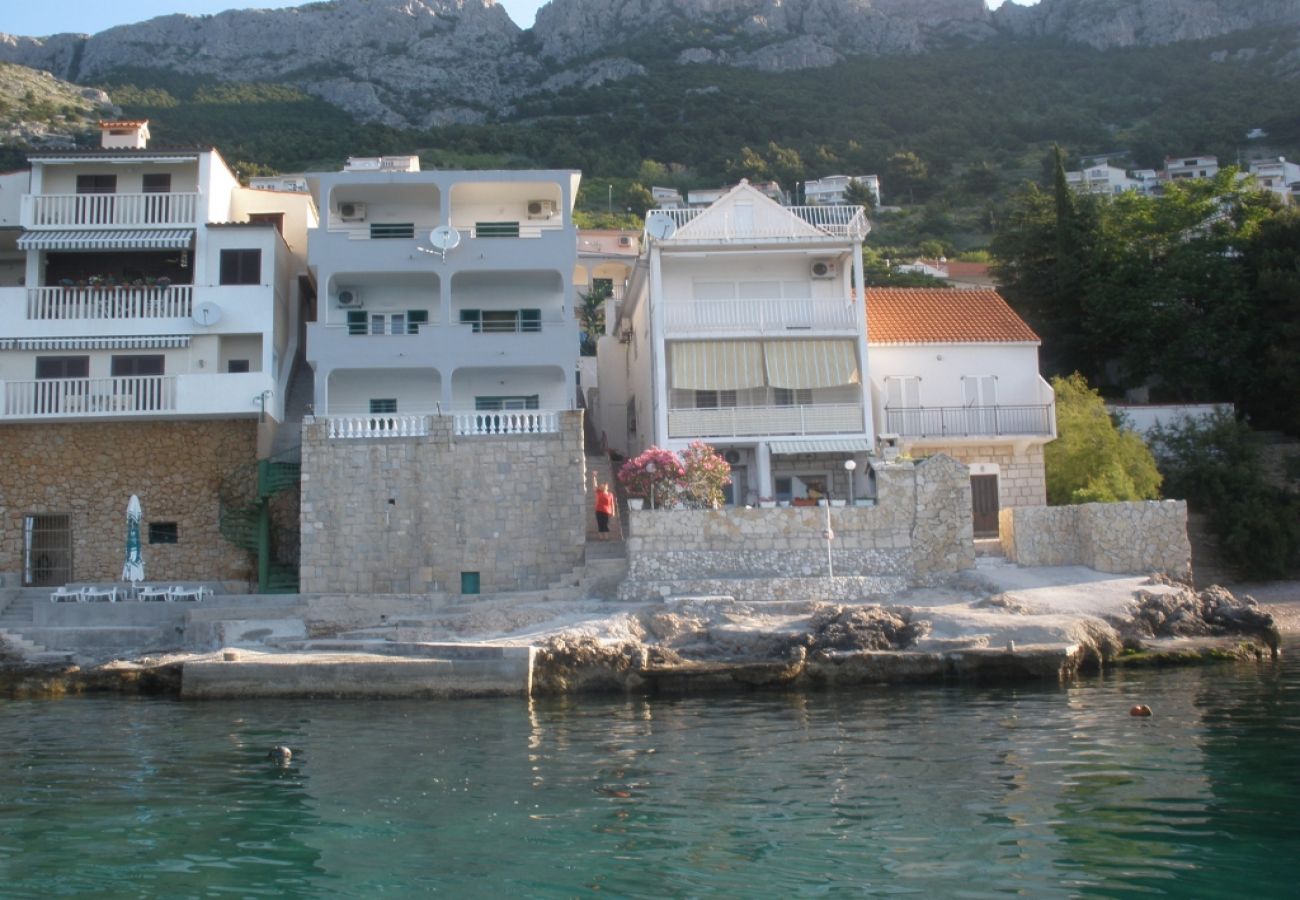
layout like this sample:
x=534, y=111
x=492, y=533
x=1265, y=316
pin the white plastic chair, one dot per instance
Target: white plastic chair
x=63, y=595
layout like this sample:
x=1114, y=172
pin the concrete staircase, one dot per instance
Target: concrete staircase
x=16, y=620
x=297, y=403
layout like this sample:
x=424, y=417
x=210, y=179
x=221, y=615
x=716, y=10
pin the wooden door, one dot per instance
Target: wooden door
x=984, y=504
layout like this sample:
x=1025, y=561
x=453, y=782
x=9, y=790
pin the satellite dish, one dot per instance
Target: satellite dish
x=660, y=226
x=444, y=238
x=207, y=313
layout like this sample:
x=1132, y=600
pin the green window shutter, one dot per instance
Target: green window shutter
x=357, y=321
x=496, y=229
x=415, y=318
x=530, y=320
x=472, y=317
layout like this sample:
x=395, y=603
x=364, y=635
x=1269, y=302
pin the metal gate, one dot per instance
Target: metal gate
x=47, y=550
x=984, y=504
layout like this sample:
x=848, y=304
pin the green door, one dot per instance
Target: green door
x=469, y=582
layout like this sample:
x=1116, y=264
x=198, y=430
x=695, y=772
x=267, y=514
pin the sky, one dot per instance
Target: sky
x=37, y=18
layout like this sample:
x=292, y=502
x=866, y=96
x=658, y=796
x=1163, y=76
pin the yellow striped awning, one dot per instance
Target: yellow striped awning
x=716, y=365
x=811, y=364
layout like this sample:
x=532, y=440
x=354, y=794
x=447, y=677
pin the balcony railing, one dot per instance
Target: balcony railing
x=752, y=421
x=126, y=395
x=757, y=316
x=969, y=421
x=110, y=302
x=829, y=221
x=509, y=421
x=378, y=425
x=110, y=210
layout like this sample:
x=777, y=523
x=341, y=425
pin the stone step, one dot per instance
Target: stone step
x=27, y=649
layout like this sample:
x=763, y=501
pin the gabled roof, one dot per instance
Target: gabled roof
x=765, y=218
x=938, y=316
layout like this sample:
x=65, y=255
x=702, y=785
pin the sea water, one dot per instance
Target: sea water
x=934, y=792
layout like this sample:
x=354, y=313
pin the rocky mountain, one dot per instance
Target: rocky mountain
x=432, y=62
x=39, y=110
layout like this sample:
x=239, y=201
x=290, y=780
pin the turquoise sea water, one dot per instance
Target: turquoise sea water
x=1046, y=792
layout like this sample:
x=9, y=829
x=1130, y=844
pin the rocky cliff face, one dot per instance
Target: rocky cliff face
x=429, y=62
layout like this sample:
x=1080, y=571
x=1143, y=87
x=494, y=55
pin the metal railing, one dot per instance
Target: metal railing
x=90, y=396
x=747, y=421
x=117, y=302
x=827, y=221
x=378, y=425
x=111, y=210
x=969, y=421
x=760, y=316
x=507, y=421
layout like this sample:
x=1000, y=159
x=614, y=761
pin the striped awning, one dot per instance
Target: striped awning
x=116, y=239
x=811, y=364
x=120, y=342
x=717, y=365
x=830, y=445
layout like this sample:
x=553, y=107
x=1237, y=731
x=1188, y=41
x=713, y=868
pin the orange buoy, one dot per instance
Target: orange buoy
x=1140, y=710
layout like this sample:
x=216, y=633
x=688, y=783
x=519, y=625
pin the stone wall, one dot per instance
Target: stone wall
x=1123, y=538
x=409, y=515
x=88, y=471
x=1022, y=479
x=918, y=531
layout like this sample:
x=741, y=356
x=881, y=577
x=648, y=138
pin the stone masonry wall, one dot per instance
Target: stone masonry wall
x=89, y=471
x=1123, y=538
x=409, y=515
x=1022, y=480
x=918, y=531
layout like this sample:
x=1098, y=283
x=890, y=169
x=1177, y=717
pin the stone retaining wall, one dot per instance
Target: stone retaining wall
x=409, y=515
x=1123, y=538
x=918, y=531
x=88, y=471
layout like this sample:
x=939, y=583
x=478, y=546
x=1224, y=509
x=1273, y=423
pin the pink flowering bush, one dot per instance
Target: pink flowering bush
x=706, y=474
x=657, y=473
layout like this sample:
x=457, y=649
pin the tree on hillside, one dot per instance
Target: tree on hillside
x=859, y=194
x=908, y=172
x=1092, y=461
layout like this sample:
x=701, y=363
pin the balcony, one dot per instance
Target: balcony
x=758, y=317
x=128, y=302
x=141, y=396
x=478, y=423
x=833, y=223
x=758, y=421
x=110, y=210
x=939, y=422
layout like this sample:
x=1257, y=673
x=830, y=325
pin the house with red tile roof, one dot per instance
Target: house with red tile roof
x=956, y=372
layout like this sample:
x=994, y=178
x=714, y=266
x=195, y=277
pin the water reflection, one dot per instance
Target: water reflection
x=1051, y=792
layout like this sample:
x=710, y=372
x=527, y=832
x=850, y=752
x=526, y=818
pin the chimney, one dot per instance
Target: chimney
x=124, y=135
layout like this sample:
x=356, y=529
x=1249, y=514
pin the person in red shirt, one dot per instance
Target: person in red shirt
x=604, y=510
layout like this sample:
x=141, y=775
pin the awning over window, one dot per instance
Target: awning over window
x=830, y=445
x=717, y=365
x=811, y=364
x=124, y=342
x=117, y=239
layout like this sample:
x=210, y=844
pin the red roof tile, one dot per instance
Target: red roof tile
x=937, y=316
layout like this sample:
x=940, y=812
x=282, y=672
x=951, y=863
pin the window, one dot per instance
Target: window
x=494, y=404
x=715, y=399
x=63, y=367
x=391, y=230
x=903, y=414
x=496, y=229
x=388, y=323
x=241, y=267
x=383, y=405
x=234, y=366
x=792, y=396
x=164, y=533
x=415, y=318
x=96, y=184
x=357, y=322
x=159, y=183
x=602, y=286
x=502, y=321
x=128, y=366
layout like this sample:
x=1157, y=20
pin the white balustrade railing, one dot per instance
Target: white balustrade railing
x=758, y=316
x=117, y=302
x=378, y=425
x=749, y=421
x=110, y=210
x=125, y=395
x=828, y=221
x=507, y=421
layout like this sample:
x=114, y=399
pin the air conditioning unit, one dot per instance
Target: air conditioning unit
x=625, y=241
x=823, y=268
x=541, y=209
x=732, y=457
x=352, y=212
x=349, y=299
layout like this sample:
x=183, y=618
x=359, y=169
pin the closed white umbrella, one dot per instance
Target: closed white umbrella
x=133, y=568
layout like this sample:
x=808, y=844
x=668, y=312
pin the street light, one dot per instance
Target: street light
x=609, y=205
x=849, y=466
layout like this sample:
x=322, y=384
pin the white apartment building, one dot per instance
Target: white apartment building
x=442, y=292
x=740, y=328
x=1191, y=167
x=1102, y=178
x=1278, y=176
x=146, y=288
x=831, y=190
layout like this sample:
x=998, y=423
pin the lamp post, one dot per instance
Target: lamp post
x=609, y=204
x=829, y=534
x=650, y=470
